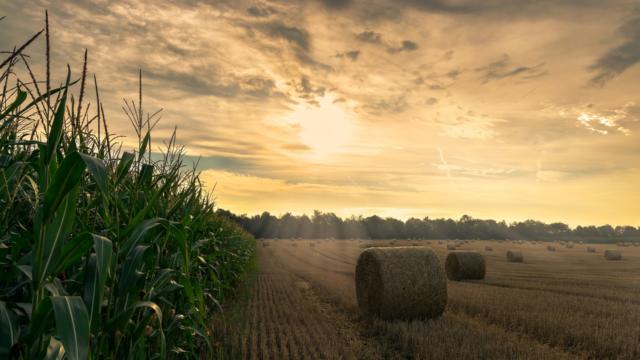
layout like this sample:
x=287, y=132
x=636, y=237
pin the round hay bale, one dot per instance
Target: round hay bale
x=465, y=265
x=400, y=283
x=591, y=249
x=451, y=247
x=488, y=248
x=514, y=256
x=612, y=255
x=551, y=248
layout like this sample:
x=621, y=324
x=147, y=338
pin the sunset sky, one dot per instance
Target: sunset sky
x=504, y=109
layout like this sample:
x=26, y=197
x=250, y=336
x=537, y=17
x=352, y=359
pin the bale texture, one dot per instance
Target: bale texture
x=612, y=255
x=514, y=256
x=400, y=283
x=465, y=265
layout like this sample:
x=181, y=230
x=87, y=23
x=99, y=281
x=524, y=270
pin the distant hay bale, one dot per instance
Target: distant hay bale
x=591, y=249
x=451, y=247
x=612, y=255
x=551, y=248
x=488, y=248
x=514, y=256
x=569, y=245
x=465, y=265
x=400, y=283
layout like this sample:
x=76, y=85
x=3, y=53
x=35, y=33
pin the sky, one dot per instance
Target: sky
x=504, y=109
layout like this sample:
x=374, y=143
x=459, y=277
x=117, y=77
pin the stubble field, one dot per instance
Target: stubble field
x=567, y=304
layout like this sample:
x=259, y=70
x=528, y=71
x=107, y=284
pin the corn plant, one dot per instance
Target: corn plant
x=103, y=253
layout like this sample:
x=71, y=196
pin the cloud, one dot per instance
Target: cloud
x=393, y=105
x=261, y=11
x=617, y=60
x=369, y=36
x=502, y=68
x=206, y=81
x=431, y=101
x=306, y=90
x=352, y=55
x=337, y=4
x=292, y=34
x=406, y=45
x=601, y=124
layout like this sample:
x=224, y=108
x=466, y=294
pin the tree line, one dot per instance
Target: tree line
x=328, y=225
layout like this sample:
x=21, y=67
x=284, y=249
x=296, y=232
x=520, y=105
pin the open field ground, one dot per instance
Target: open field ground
x=555, y=305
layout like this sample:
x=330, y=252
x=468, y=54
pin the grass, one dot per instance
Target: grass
x=104, y=253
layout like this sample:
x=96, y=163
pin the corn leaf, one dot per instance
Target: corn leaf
x=72, y=325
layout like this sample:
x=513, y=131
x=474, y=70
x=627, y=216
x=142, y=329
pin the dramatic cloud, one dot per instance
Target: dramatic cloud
x=405, y=107
x=615, y=61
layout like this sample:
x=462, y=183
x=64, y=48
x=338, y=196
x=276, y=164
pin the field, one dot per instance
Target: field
x=555, y=305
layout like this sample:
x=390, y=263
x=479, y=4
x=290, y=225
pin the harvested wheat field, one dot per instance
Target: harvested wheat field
x=567, y=304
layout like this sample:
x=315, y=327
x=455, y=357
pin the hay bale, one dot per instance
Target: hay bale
x=591, y=249
x=514, y=256
x=488, y=248
x=451, y=247
x=570, y=246
x=551, y=248
x=465, y=265
x=400, y=283
x=612, y=255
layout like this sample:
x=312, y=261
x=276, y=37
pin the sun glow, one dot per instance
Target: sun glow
x=326, y=128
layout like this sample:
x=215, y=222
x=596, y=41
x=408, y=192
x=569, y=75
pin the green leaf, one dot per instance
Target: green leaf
x=8, y=330
x=123, y=166
x=146, y=175
x=20, y=98
x=98, y=171
x=129, y=274
x=72, y=325
x=57, y=127
x=96, y=276
x=73, y=250
x=144, y=145
x=52, y=237
x=140, y=231
x=66, y=178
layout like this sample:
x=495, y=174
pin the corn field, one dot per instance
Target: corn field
x=104, y=253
